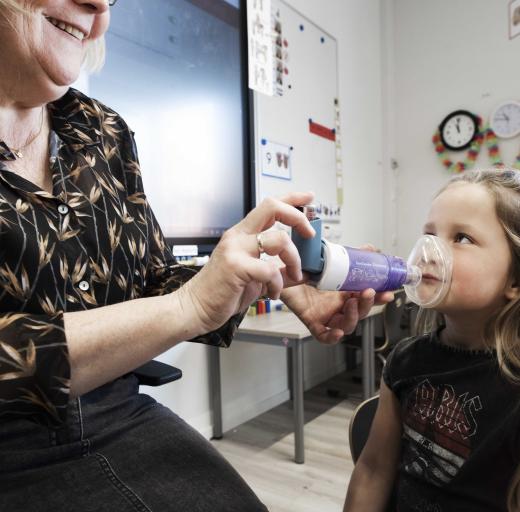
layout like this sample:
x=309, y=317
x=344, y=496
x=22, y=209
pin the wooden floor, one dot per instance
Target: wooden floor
x=262, y=451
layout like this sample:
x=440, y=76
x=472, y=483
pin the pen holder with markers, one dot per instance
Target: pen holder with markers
x=264, y=305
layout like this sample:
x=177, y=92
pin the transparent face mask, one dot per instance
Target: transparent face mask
x=433, y=257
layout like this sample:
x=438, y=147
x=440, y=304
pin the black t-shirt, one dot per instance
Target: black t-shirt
x=460, y=444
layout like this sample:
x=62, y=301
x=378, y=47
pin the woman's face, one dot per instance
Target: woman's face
x=49, y=44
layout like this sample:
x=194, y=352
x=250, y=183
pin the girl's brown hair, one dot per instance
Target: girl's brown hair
x=503, y=328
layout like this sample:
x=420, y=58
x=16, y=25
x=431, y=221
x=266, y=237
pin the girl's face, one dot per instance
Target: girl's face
x=47, y=46
x=464, y=216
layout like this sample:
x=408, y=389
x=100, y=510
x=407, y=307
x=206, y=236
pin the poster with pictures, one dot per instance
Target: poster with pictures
x=514, y=18
x=260, y=46
x=275, y=160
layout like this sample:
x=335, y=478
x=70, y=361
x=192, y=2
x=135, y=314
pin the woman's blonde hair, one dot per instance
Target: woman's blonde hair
x=502, y=331
x=95, y=55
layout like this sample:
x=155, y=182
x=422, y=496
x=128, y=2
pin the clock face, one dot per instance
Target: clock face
x=458, y=130
x=505, y=120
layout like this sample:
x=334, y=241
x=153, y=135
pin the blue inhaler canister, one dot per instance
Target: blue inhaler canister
x=310, y=249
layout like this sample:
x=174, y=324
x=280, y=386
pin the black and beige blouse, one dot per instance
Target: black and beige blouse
x=93, y=242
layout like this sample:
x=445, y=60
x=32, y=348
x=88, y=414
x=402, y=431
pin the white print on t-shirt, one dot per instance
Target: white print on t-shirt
x=441, y=407
x=438, y=425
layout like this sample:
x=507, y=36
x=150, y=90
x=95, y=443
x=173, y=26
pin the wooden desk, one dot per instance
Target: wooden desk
x=285, y=330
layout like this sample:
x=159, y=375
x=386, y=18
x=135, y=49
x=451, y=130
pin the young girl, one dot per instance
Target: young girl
x=446, y=435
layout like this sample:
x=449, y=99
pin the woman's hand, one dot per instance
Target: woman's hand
x=235, y=275
x=331, y=315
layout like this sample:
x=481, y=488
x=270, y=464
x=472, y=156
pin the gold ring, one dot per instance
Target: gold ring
x=260, y=244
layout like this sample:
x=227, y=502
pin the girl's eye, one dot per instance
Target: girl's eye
x=462, y=238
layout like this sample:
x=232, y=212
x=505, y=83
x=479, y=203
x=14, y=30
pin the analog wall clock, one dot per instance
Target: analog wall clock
x=505, y=119
x=458, y=129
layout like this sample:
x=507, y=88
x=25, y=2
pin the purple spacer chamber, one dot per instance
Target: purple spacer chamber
x=373, y=270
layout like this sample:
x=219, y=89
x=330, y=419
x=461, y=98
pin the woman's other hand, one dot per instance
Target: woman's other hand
x=331, y=315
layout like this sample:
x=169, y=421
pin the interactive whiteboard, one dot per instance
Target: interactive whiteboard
x=297, y=134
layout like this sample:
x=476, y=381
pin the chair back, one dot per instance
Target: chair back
x=359, y=426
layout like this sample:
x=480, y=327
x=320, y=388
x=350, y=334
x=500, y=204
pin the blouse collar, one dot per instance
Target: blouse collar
x=75, y=121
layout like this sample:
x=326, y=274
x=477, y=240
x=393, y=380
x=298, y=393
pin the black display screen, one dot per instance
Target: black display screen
x=176, y=71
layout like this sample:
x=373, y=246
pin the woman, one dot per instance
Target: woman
x=89, y=291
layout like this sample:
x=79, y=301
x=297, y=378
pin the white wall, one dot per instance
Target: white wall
x=403, y=65
x=356, y=24
x=447, y=54
x=254, y=377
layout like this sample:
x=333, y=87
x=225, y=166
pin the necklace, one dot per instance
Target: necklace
x=494, y=151
x=471, y=155
x=18, y=151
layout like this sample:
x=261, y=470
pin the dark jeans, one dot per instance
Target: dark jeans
x=120, y=451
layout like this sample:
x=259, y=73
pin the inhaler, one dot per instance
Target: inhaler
x=425, y=277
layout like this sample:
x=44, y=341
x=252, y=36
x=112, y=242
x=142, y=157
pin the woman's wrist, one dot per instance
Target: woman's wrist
x=183, y=315
x=285, y=295
x=289, y=293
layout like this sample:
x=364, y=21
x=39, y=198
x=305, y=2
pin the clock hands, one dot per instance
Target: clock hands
x=503, y=117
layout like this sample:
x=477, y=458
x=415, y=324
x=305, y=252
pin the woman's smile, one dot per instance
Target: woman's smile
x=73, y=31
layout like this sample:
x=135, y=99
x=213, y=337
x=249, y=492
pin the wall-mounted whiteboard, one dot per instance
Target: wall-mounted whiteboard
x=297, y=136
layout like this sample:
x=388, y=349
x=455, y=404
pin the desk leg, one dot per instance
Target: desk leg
x=289, y=352
x=215, y=391
x=372, y=353
x=297, y=371
x=368, y=357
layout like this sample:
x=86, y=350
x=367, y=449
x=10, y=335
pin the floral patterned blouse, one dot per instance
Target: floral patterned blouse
x=93, y=242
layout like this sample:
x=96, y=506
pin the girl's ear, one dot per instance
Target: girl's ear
x=512, y=291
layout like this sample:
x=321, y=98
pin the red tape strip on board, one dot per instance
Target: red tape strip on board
x=321, y=131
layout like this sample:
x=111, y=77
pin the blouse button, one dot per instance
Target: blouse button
x=63, y=209
x=83, y=285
